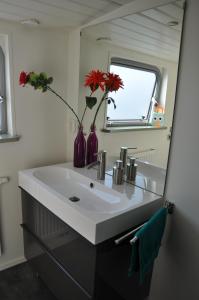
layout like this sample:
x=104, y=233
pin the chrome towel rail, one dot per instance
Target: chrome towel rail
x=121, y=239
x=170, y=206
x=133, y=240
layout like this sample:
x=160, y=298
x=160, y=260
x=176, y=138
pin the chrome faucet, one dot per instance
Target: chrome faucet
x=101, y=162
x=124, y=154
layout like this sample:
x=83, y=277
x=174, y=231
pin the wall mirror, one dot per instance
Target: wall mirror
x=143, y=48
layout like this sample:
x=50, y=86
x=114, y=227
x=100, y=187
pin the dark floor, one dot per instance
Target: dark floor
x=20, y=283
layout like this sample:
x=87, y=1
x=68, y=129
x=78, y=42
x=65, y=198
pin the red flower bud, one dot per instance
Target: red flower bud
x=113, y=82
x=23, y=78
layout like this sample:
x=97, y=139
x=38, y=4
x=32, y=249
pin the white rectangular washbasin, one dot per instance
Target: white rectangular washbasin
x=98, y=210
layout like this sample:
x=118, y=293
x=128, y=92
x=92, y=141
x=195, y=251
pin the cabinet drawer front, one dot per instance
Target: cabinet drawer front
x=63, y=286
x=62, y=241
x=113, y=262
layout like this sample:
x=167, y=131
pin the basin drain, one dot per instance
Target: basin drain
x=74, y=199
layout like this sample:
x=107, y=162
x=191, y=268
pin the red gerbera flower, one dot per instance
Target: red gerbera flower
x=95, y=79
x=113, y=82
x=23, y=78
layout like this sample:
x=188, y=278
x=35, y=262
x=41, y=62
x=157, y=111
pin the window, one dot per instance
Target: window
x=3, y=117
x=133, y=103
x=7, y=114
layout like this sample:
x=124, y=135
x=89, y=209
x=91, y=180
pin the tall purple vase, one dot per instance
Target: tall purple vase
x=92, y=146
x=79, y=149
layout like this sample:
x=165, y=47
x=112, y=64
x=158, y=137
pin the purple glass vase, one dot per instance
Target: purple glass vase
x=92, y=146
x=79, y=149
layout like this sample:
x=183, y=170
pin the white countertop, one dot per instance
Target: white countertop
x=149, y=177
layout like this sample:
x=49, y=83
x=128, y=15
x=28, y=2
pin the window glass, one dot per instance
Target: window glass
x=133, y=102
x=3, y=119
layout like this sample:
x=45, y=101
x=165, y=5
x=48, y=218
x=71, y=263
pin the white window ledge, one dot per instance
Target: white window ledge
x=6, y=138
x=131, y=128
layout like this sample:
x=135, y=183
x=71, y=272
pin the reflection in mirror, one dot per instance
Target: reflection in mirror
x=143, y=49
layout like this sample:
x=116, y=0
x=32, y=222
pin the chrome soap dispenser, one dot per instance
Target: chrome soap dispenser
x=131, y=169
x=118, y=172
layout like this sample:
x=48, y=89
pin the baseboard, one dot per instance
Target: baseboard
x=12, y=263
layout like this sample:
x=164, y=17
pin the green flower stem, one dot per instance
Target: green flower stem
x=84, y=114
x=52, y=91
x=98, y=108
x=85, y=110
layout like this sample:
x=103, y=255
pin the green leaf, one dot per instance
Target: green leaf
x=33, y=77
x=43, y=75
x=91, y=101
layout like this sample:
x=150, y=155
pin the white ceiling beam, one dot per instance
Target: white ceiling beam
x=133, y=7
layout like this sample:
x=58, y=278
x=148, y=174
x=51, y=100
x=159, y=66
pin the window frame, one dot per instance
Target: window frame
x=10, y=135
x=3, y=104
x=118, y=61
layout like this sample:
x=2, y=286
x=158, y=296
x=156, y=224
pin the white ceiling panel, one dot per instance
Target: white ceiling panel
x=97, y=4
x=57, y=13
x=68, y=6
x=21, y=13
x=121, y=2
x=158, y=16
x=9, y=16
x=144, y=32
x=173, y=11
x=36, y=6
x=153, y=26
x=147, y=32
x=143, y=48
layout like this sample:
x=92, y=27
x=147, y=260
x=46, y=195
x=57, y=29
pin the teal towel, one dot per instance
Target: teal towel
x=146, y=248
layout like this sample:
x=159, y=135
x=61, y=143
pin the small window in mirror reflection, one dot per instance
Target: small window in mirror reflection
x=134, y=102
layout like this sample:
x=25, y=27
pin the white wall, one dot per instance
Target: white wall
x=96, y=55
x=40, y=120
x=177, y=269
x=73, y=87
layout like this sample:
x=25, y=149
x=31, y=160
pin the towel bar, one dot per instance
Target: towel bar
x=133, y=240
x=170, y=206
x=121, y=239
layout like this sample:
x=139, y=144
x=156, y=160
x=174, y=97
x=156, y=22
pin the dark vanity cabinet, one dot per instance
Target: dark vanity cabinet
x=71, y=266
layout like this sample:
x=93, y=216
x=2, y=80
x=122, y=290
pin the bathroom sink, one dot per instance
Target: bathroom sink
x=96, y=209
x=90, y=196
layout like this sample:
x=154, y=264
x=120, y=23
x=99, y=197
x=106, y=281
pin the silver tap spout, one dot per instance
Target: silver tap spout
x=101, y=162
x=95, y=163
